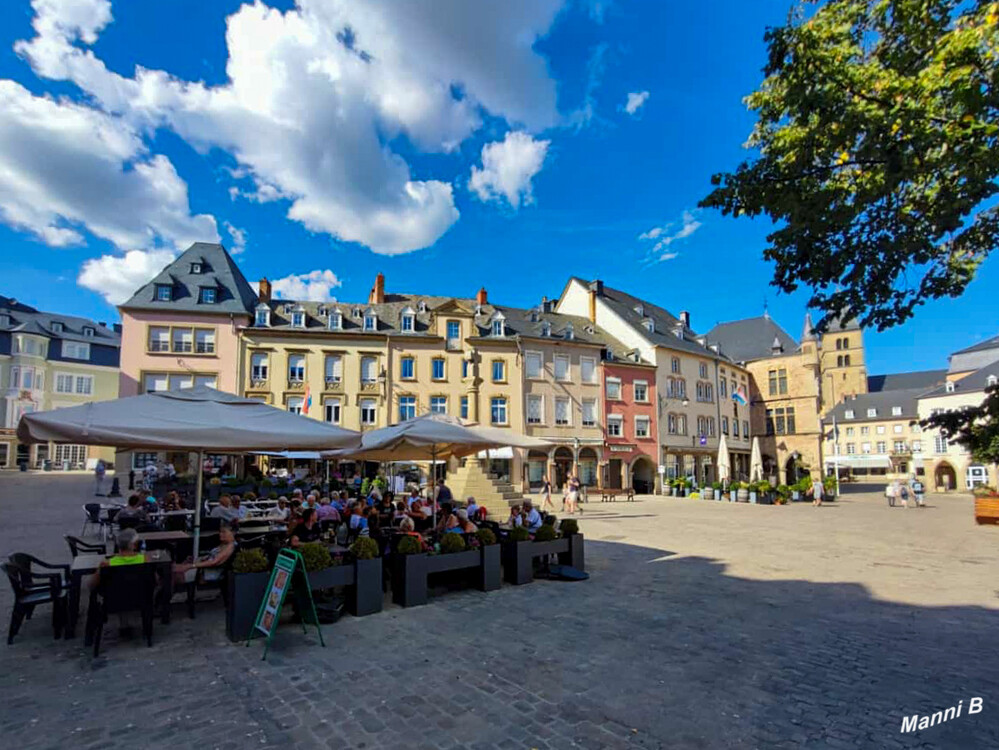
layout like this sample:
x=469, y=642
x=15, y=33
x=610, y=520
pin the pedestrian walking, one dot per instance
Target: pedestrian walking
x=917, y=492
x=817, y=492
x=99, y=471
x=546, y=494
x=890, y=494
x=573, y=494
x=903, y=494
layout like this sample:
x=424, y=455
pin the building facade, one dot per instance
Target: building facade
x=630, y=424
x=49, y=361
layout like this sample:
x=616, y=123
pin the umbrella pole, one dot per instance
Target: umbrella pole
x=199, y=487
x=433, y=479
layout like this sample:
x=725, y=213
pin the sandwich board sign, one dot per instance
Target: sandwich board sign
x=288, y=574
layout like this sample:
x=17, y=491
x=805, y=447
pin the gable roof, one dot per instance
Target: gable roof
x=27, y=319
x=219, y=271
x=903, y=380
x=976, y=381
x=991, y=343
x=751, y=338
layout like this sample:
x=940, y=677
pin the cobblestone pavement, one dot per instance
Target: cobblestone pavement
x=704, y=625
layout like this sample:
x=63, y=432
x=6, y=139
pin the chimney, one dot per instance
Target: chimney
x=264, y=293
x=685, y=318
x=593, y=305
x=103, y=324
x=546, y=306
x=377, y=295
x=482, y=298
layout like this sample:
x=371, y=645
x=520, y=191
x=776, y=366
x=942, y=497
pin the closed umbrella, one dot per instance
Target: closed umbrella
x=724, y=462
x=199, y=419
x=756, y=462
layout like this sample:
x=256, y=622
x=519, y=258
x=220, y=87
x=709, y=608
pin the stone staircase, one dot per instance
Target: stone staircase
x=471, y=480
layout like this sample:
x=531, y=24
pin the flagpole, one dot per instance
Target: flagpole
x=836, y=453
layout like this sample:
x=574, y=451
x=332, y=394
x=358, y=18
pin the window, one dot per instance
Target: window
x=675, y=365
x=561, y=367
x=437, y=368
x=535, y=409
x=865, y=448
x=839, y=360
x=295, y=404
x=332, y=410
x=407, y=407
x=563, y=412
x=155, y=382
x=702, y=426
x=681, y=424
x=76, y=455
x=497, y=408
x=711, y=426
x=205, y=380
x=735, y=428
x=368, y=411
x=159, y=339
x=851, y=448
x=848, y=414
x=438, y=404
x=702, y=370
x=771, y=427
x=498, y=327
x=588, y=369
x=615, y=425
x=499, y=371
x=896, y=411
x=641, y=391
x=181, y=381
x=464, y=368
x=650, y=325
x=849, y=431
x=898, y=446
x=408, y=321
x=725, y=425
x=790, y=421
x=84, y=385
x=917, y=446
x=258, y=366
x=75, y=350
x=546, y=329
x=464, y=407
x=882, y=448
x=453, y=334
x=407, y=368
x=745, y=428
x=142, y=460
x=88, y=331
x=614, y=388
x=641, y=427
x=897, y=429
x=204, y=341
x=296, y=368
x=263, y=318
x=298, y=318
x=183, y=340
x=333, y=369
x=709, y=393
x=335, y=320
x=846, y=360
x=723, y=388
x=681, y=388
x=532, y=364
x=164, y=292
x=880, y=429
x=865, y=430
x=64, y=384
x=57, y=327
x=589, y=416
x=872, y=412
x=939, y=444
x=208, y=295
x=671, y=424
x=368, y=374
x=370, y=321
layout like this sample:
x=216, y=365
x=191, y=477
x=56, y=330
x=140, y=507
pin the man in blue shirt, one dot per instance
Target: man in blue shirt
x=533, y=520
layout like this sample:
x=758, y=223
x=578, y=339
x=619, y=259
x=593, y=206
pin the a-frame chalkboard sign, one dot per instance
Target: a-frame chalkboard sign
x=288, y=573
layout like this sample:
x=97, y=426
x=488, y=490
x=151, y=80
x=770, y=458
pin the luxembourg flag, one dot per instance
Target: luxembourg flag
x=739, y=395
x=307, y=402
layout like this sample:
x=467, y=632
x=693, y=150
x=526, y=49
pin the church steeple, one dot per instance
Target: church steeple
x=807, y=333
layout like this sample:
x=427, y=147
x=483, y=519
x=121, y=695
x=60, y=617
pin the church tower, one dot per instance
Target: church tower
x=842, y=364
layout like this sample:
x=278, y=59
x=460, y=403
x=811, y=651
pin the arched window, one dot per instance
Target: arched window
x=846, y=360
x=839, y=359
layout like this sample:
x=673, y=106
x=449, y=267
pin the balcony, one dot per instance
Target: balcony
x=258, y=383
x=369, y=386
x=296, y=384
x=333, y=385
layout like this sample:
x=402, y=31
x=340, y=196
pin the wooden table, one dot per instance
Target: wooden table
x=85, y=565
x=169, y=536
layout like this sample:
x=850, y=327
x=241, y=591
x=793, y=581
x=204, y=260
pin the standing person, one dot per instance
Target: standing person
x=817, y=492
x=903, y=493
x=917, y=491
x=546, y=494
x=573, y=494
x=99, y=470
x=890, y=494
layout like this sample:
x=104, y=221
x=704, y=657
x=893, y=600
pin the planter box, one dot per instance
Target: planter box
x=409, y=580
x=573, y=557
x=708, y=494
x=336, y=575
x=766, y=498
x=742, y=496
x=518, y=558
x=246, y=591
x=363, y=577
x=410, y=572
x=752, y=497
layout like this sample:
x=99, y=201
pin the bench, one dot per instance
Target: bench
x=987, y=510
x=610, y=496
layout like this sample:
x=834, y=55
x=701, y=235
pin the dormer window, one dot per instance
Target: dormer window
x=370, y=321
x=263, y=317
x=546, y=329
x=848, y=414
x=320, y=311
x=991, y=380
x=88, y=331
x=896, y=411
x=288, y=307
x=422, y=306
x=478, y=309
x=407, y=320
x=534, y=315
x=569, y=333
x=498, y=325
x=640, y=309
x=196, y=267
x=209, y=295
x=57, y=327
x=164, y=292
x=650, y=325
x=335, y=321
x=610, y=356
x=298, y=317
x=357, y=312
x=872, y=412
x=950, y=386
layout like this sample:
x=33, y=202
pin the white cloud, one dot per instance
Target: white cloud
x=315, y=286
x=667, y=234
x=636, y=100
x=316, y=93
x=596, y=66
x=238, y=237
x=508, y=166
x=116, y=277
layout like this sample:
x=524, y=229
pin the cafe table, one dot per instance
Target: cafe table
x=83, y=565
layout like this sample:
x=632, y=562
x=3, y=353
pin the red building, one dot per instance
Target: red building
x=630, y=428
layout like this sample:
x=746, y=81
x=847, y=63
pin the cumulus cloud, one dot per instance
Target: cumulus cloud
x=117, y=277
x=508, y=166
x=316, y=93
x=666, y=235
x=635, y=101
x=315, y=286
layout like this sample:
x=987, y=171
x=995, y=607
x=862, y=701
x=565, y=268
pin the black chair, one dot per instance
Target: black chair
x=123, y=588
x=30, y=562
x=209, y=523
x=221, y=582
x=93, y=518
x=129, y=522
x=175, y=523
x=32, y=589
x=78, y=546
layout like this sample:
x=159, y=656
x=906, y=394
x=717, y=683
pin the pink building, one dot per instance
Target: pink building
x=630, y=427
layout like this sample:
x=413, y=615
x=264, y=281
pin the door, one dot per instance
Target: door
x=614, y=474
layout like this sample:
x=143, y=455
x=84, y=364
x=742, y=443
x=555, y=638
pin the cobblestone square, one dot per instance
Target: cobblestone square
x=704, y=625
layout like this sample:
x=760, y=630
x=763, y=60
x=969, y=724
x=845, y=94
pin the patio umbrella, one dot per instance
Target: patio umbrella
x=756, y=462
x=199, y=419
x=724, y=462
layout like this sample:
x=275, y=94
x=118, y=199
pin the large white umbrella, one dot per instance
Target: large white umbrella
x=724, y=462
x=199, y=419
x=756, y=462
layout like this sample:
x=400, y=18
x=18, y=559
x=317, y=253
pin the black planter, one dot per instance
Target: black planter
x=409, y=580
x=574, y=556
x=489, y=573
x=366, y=596
x=766, y=498
x=336, y=575
x=246, y=592
x=518, y=558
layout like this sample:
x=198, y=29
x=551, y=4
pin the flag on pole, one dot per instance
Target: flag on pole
x=307, y=401
x=739, y=395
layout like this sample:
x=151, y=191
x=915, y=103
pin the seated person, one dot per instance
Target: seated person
x=307, y=530
x=414, y=498
x=337, y=503
x=464, y=525
x=236, y=503
x=408, y=528
x=225, y=511
x=451, y=524
x=128, y=552
x=282, y=510
x=326, y=511
x=134, y=513
x=471, y=507
x=532, y=519
x=445, y=520
x=186, y=572
x=516, y=516
x=358, y=519
x=400, y=511
x=418, y=512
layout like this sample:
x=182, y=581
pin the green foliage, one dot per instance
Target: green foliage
x=266, y=482
x=569, y=526
x=829, y=484
x=272, y=495
x=975, y=428
x=409, y=545
x=300, y=483
x=365, y=487
x=717, y=486
x=316, y=556
x=519, y=534
x=380, y=483
x=878, y=154
x=250, y=561
x=545, y=534
x=487, y=537
x=983, y=490
x=783, y=491
x=365, y=548
x=451, y=543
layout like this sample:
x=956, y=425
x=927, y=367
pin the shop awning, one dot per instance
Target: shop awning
x=860, y=462
x=504, y=452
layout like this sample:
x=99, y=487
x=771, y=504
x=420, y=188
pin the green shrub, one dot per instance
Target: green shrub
x=300, y=483
x=380, y=483
x=717, y=486
x=569, y=526
x=519, y=534
x=316, y=556
x=783, y=491
x=272, y=496
x=266, y=482
x=829, y=484
x=250, y=561
x=487, y=537
x=451, y=543
x=409, y=545
x=365, y=487
x=365, y=548
x=545, y=534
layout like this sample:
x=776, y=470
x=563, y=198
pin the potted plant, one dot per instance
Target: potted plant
x=519, y=555
x=367, y=598
x=319, y=566
x=752, y=489
x=764, y=492
x=409, y=573
x=574, y=557
x=830, y=488
x=247, y=584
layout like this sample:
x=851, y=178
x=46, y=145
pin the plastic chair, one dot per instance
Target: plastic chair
x=76, y=546
x=32, y=589
x=29, y=562
x=93, y=518
x=123, y=588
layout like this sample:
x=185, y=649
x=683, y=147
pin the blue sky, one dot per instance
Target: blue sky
x=436, y=145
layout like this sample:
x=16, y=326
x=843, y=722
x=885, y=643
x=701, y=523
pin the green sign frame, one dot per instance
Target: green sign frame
x=288, y=573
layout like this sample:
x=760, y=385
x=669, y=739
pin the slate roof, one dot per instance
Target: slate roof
x=27, y=319
x=751, y=339
x=904, y=380
x=972, y=383
x=233, y=293
x=992, y=343
x=883, y=401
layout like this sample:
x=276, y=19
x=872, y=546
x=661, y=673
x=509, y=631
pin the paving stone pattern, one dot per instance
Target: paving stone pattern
x=682, y=638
